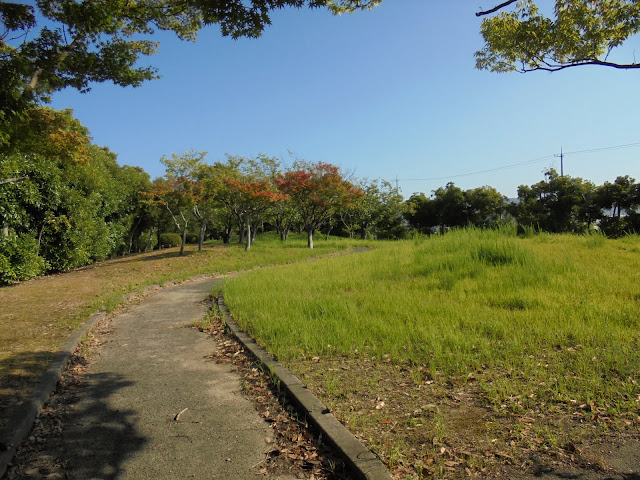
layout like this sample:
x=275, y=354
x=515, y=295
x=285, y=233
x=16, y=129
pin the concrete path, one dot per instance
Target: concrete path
x=151, y=369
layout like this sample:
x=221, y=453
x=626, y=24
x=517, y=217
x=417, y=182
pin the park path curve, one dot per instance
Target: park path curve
x=152, y=368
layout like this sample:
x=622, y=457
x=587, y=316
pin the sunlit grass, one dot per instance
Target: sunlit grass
x=557, y=316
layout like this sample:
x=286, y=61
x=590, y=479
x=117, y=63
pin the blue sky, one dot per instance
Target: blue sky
x=388, y=93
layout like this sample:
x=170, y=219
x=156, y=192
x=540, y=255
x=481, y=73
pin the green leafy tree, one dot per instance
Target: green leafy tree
x=450, y=206
x=377, y=212
x=621, y=199
x=421, y=213
x=580, y=32
x=54, y=44
x=179, y=191
x=557, y=204
x=485, y=206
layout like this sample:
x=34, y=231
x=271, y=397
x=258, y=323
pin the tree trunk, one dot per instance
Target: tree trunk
x=149, y=242
x=254, y=231
x=248, y=228
x=284, y=234
x=5, y=231
x=329, y=228
x=310, y=238
x=184, y=238
x=133, y=232
x=203, y=229
x=241, y=233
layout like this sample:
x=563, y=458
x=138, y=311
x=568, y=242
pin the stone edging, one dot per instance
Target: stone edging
x=22, y=420
x=361, y=461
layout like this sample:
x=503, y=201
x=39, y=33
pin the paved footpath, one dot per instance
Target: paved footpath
x=151, y=369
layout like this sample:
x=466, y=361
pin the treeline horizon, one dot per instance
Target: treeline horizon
x=66, y=202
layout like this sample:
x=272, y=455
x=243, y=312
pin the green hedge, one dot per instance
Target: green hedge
x=170, y=240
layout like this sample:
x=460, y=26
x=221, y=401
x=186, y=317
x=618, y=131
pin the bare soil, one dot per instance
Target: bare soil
x=424, y=426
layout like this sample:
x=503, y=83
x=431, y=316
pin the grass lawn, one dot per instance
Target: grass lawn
x=466, y=354
x=37, y=316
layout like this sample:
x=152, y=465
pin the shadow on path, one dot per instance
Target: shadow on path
x=97, y=438
x=80, y=431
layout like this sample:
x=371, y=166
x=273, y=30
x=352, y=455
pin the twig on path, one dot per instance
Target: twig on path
x=177, y=417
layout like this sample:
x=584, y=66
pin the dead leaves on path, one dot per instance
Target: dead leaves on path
x=292, y=449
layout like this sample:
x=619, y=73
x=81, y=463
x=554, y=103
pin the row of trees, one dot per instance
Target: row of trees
x=243, y=194
x=68, y=202
x=557, y=204
x=65, y=202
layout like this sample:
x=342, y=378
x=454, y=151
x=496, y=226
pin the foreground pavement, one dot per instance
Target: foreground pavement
x=152, y=406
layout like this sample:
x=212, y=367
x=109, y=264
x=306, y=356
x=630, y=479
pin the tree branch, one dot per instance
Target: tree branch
x=555, y=68
x=496, y=8
x=13, y=180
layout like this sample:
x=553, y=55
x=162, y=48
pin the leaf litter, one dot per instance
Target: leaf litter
x=294, y=448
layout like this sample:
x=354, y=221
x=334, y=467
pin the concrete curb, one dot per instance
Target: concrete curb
x=361, y=461
x=22, y=422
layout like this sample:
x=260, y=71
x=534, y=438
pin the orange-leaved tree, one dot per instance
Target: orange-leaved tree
x=318, y=191
x=253, y=198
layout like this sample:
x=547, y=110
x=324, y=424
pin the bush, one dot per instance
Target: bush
x=168, y=240
x=193, y=238
x=614, y=227
x=18, y=260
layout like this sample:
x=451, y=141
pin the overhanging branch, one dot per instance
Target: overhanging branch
x=496, y=8
x=555, y=68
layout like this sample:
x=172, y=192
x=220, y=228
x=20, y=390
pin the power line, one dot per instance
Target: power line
x=496, y=169
x=520, y=164
x=602, y=149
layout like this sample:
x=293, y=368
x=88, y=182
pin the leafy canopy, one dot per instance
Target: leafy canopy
x=580, y=32
x=77, y=43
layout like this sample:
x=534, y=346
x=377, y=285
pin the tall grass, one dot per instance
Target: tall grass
x=551, y=313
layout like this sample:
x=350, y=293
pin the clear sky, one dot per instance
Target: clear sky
x=390, y=93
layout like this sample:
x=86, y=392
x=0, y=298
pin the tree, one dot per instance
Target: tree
x=75, y=205
x=179, y=191
x=420, y=212
x=254, y=198
x=78, y=43
x=378, y=205
x=318, y=191
x=621, y=199
x=484, y=206
x=450, y=206
x=557, y=204
x=581, y=32
x=245, y=188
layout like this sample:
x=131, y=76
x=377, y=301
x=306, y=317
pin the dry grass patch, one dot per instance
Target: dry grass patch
x=431, y=426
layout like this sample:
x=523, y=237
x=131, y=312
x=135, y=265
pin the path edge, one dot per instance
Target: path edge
x=22, y=420
x=363, y=463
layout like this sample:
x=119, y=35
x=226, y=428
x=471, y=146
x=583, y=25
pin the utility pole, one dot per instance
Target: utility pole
x=561, y=162
x=396, y=184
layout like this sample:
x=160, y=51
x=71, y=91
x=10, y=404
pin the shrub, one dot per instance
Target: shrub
x=192, y=238
x=18, y=260
x=168, y=240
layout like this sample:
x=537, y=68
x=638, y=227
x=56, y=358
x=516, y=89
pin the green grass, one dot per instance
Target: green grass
x=526, y=324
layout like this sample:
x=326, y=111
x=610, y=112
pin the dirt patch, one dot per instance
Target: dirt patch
x=423, y=425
